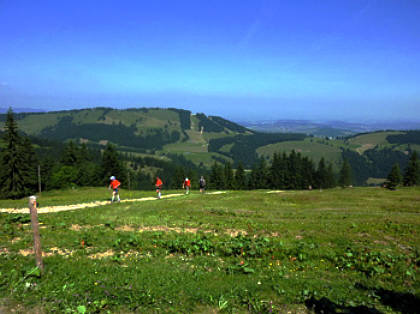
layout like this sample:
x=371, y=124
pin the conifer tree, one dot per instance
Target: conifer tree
x=228, y=176
x=394, y=177
x=308, y=173
x=178, y=177
x=70, y=155
x=412, y=172
x=31, y=162
x=47, y=165
x=294, y=171
x=84, y=154
x=330, y=176
x=262, y=174
x=345, y=174
x=240, y=178
x=321, y=175
x=112, y=166
x=15, y=170
x=216, y=177
x=277, y=172
x=87, y=169
x=253, y=178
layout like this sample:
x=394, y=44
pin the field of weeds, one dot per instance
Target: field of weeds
x=340, y=250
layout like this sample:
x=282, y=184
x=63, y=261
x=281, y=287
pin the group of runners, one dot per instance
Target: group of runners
x=115, y=184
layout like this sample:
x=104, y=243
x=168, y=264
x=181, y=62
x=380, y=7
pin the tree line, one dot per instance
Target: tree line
x=411, y=175
x=286, y=171
x=70, y=164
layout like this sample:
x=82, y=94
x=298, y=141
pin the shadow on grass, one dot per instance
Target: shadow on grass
x=325, y=306
x=399, y=301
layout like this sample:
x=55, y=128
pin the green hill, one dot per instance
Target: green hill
x=201, y=139
x=144, y=130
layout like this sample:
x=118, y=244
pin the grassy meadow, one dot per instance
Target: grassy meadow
x=339, y=250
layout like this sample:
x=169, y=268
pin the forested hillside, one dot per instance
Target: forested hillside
x=160, y=139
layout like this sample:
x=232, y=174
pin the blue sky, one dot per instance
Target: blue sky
x=353, y=60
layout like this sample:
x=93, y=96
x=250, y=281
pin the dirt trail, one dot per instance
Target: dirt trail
x=60, y=208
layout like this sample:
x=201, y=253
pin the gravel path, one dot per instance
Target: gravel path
x=60, y=208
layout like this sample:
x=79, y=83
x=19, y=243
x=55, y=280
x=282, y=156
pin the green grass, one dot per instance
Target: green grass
x=345, y=249
x=364, y=142
x=183, y=147
x=32, y=124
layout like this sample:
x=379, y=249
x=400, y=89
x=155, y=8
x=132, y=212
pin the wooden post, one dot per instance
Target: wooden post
x=35, y=229
x=39, y=179
x=129, y=183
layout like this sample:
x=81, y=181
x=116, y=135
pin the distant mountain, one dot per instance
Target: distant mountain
x=203, y=140
x=328, y=128
x=21, y=109
x=141, y=130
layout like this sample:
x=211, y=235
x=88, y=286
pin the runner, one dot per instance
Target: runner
x=202, y=183
x=186, y=185
x=158, y=185
x=115, y=184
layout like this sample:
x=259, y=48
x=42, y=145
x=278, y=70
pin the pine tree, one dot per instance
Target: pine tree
x=308, y=173
x=112, y=166
x=262, y=174
x=412, y=172
x=345, y=178
x=216, y=177
x=394, y=177
x=321, y=178
x=178, y=177
x=228, y=176
x=330, y=176
x=70, y=155
x=240, y=178
x=84, y=154
x=16, y=171
x=31, y=162
x=47, y=165
x=253, y=178
x=277, y=172
x=294, y=171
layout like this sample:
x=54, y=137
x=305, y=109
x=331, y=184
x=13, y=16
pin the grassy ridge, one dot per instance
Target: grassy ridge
x=348, y=250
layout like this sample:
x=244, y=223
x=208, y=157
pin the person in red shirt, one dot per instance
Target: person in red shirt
x=115, y=184
x=187, y=185
x=158, y=185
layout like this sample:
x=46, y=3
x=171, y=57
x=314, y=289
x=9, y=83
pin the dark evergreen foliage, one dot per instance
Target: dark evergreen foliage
x=112, y=166
x=184, y=118
x=70, y=154
x=244, y=146
x=409, y=137
x=217, y=180
x=208, y=124
x=321, y=181
x=229, y=125
x=228, y=176
x=16, y=162
x=373, y=163
x=345, y=178
x=331, y=181
x=412, y=172
x=394, y=177
x=240, y=177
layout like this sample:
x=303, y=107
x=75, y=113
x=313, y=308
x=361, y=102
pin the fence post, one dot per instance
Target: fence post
x=35, y=229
